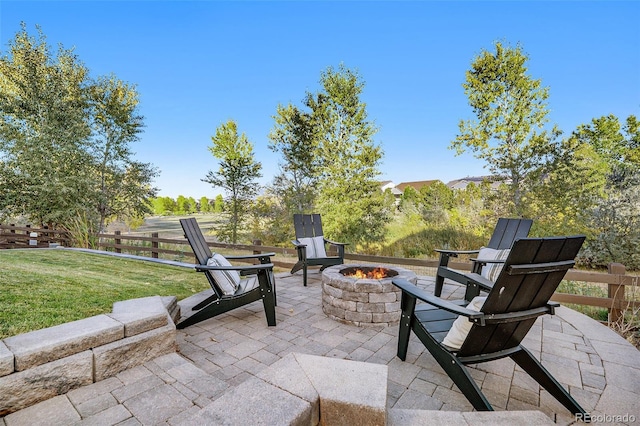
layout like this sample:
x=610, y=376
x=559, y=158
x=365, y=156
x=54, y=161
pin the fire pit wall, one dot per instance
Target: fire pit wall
x=363, y=302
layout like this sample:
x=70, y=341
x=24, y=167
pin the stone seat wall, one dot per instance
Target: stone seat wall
x=41, y=364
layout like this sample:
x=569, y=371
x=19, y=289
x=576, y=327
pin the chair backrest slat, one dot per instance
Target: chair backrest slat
x=307, y=225
x=200, y=248
x=508, y=230
x=518, y=292
x=198, y=243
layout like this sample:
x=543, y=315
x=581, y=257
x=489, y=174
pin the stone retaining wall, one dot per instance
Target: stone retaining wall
x=41, y=364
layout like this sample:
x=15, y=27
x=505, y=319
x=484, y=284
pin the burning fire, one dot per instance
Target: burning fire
x=375, y=273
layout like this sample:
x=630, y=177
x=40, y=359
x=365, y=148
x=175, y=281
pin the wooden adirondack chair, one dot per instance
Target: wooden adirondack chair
x=221, y=276
x=521, y=293
x=504, y=234
x=310, y=244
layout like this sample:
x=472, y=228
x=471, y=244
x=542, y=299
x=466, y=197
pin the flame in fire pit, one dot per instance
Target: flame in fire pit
x=376, y=273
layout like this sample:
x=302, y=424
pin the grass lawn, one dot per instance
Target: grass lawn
x=42, y=288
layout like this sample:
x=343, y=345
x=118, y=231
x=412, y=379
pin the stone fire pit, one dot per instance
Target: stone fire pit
x=363, y=301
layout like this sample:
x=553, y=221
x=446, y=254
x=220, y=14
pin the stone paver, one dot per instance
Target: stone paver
x=219, y=356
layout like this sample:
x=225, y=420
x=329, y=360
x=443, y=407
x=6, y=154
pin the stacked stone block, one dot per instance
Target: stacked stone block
x=44, y=363
x=363, y=302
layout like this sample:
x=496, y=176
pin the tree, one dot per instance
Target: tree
x=599, y=185
x=205, y=207
x=64, y=140
x=124, y=185
x=236, y=174
x=511, y=111
x=436, y=202
x=164, y=206
x=293, y=137
x=44, y=132
x=349, y=196
x=218, y=204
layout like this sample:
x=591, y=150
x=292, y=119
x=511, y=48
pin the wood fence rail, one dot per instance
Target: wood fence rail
x=616, y=279
x=12, y=236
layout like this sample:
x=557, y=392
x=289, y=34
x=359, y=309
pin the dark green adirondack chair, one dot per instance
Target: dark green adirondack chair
x=233, y=286
x=520, y=294
x=507, y=230
x=311, y=245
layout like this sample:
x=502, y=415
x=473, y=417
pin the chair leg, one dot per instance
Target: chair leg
x=532, y=366
x=455, y=370
x=439, y=284
x=444, y=261
x=408, y=305
x=268, y=297
x=273, y=286
x=297, y=267
x=304, y=274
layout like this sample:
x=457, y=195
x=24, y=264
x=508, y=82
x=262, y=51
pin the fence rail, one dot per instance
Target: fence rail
x=12, y=236
x=616, y=279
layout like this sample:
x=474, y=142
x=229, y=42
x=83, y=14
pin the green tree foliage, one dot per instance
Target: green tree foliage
x=270, y=221
x=293, y=136
x=164, y=206
x=511, y=111
x=124, y=184
x=205, y=207
x=349, y=196
x=330, y=161
x=237, y=174
x=436, y=200
x=611, y=211
x=64, y=140
x=218, y=204
x=44, y=132
x=185, y=205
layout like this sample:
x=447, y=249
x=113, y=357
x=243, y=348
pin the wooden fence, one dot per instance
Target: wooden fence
x=12, y=236
x=618, y=282
x=616, y=279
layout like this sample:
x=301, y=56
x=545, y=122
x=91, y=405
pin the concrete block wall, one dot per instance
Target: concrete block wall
x=44, y=363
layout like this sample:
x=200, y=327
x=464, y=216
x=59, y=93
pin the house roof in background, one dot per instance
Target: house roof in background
x=416, y=184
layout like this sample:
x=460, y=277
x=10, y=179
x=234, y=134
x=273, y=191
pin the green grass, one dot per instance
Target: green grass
x=43, y=288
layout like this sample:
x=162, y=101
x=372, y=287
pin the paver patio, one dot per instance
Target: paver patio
x=600, y=369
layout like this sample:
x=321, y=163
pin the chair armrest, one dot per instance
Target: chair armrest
x=485, y=261
x=244, y=268
x=478, y=279
x=298, y=243
x=455, y=253
x=420, y=294
x=335, y=243
x=251, y=256
x=518, y=316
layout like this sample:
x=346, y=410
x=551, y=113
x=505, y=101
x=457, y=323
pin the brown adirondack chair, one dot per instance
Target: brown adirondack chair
x=254, y=282
x=531, y=273
x=311, y=245
x=507, y=230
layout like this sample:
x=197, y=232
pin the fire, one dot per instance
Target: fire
x=376, y=273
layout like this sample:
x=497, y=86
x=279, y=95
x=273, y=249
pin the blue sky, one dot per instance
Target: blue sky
x=197, y=64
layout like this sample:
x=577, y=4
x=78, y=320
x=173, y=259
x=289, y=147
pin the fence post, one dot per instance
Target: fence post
x=154, y=245
x=46, y=235
x=117, y=242
x=257, y=243
x=616, y=292
x=12, y=231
